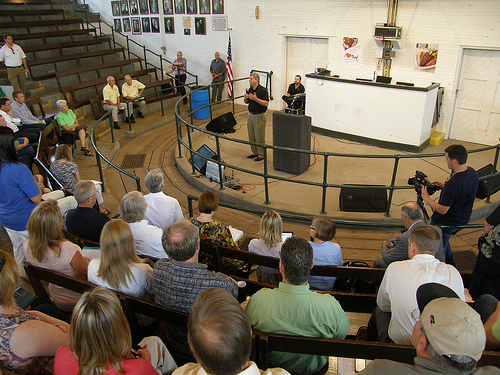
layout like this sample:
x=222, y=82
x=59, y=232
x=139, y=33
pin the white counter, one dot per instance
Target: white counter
x=392, y=116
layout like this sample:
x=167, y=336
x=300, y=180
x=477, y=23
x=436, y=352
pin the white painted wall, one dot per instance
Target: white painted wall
x=260, y=44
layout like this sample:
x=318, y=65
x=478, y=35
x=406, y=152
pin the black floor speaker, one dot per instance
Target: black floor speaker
x=484, y=185
x=364, y=199
x=222, y=124
x=293, y=131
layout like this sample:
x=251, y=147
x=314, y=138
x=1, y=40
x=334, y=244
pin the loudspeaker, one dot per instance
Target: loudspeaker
x=291, y=131
x=222, y=124
x=364, y=199
x=484, y=185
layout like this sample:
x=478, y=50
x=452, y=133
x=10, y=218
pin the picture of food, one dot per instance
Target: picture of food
x=349, y=42
x=426, y=57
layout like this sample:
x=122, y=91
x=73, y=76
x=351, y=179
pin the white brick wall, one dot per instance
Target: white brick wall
x=260, y=44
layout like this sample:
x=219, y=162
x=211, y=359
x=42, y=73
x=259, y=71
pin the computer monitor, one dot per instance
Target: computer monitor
x=382, y=79
x=200, y=163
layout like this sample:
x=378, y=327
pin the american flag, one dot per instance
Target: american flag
x=229, y=68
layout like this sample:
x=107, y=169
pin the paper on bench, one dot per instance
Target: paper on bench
x=236, y=233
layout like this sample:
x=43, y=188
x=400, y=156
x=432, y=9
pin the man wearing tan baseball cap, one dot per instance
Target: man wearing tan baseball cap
x=448, y=336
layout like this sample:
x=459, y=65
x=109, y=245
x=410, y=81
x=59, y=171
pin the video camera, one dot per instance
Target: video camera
x=420, y=180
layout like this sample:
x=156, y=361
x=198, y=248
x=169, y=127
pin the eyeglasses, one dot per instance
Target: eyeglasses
x=311, y=227
x=415, y=315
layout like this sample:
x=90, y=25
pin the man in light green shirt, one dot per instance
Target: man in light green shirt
x=294, y=310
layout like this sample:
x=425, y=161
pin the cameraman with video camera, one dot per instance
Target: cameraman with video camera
x=454, y=206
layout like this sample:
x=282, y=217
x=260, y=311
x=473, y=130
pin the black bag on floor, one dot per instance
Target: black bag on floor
x=352, y=284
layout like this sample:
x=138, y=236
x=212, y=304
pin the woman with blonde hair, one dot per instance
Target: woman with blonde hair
x=46, y=247
x=100, y=342
x=27, y=338
x=326, y=252
x=268, y=244
x=120, y=268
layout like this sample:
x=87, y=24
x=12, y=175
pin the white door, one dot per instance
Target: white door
x=303, y=55
x=477, y=106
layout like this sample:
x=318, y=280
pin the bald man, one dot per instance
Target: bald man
x=132, y=92
x=111, y=96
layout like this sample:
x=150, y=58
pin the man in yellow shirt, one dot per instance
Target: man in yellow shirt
x=111, y=96
x=132, y=91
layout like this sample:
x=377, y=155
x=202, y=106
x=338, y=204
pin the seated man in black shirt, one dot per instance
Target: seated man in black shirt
x=84, y=221
x=295, y=88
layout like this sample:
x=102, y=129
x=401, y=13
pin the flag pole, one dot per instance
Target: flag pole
x=229, y=67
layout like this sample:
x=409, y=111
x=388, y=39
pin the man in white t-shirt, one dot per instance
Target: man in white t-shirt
x=147, y=237
x=396, y=301
x=132, y=91
x=15, y=60
x=162, y=210
x=111, y=96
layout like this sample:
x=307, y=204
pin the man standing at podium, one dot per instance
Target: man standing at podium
x=257, y=99
x=295, y=88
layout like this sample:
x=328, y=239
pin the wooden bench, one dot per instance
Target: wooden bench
x=34, y=24
x=12, y=14
x=56, y=34
x=79, y=71
x=82, y=242
x=77, y=57
x=60, y=47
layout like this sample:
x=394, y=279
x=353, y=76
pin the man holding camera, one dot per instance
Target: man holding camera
x=454, y=206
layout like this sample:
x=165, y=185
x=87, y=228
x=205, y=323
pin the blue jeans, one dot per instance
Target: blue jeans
x=485, y=306
x=447, y=233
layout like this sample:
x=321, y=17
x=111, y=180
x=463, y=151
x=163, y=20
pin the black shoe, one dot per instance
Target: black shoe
x=115, y=125
x=139, y=113
x=132, y=119
x=252, y=156
x=259, y=158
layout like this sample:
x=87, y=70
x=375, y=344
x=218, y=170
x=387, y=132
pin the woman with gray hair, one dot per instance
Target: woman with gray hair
x=68, y=123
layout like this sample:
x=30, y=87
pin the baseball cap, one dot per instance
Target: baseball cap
x=451, y=326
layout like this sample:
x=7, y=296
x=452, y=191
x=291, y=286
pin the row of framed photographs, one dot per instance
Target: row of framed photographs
x=152, y=25
x=136, y=7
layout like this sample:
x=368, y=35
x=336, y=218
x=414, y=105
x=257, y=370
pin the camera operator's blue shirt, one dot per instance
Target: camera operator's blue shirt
x=458, y=193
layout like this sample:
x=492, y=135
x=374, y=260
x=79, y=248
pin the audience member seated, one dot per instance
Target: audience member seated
x=15, y=124
x=21, y=111
x=492, y=329
x=119, y=267
x=392, y=318
x=162, y=210
x=100, y=342
x=295, y=310
x=132, y=91
x=486, y=272
x=326, y=253
x=178, y=281
x=295, y=88
x=28, y=339
x=111, y=96
x=220, y=337
x=268, y=244
x=397, y=249
x=84, y=221
x=448, y=337
x=68, y=123
x=19, y=195
x=25, y=152
x=46, y=247
x=147, y=237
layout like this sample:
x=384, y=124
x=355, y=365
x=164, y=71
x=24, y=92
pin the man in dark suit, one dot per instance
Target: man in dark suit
x=397, y=249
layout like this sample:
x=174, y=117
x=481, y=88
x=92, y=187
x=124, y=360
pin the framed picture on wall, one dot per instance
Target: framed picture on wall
x=155, y=24
x=179, y=7
x=218, y=6
x=146, y=27
x=143, y=6
x=115, y=8
x=134, y=8
x=167, y=7
x=126, y=25
x=136, y=26
x=199, y=26
x=204, y=6
x=153, y=7
x=169, y=25
x=124, y=7
x=118, y=25
x=187, y=31
x=191, y=7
